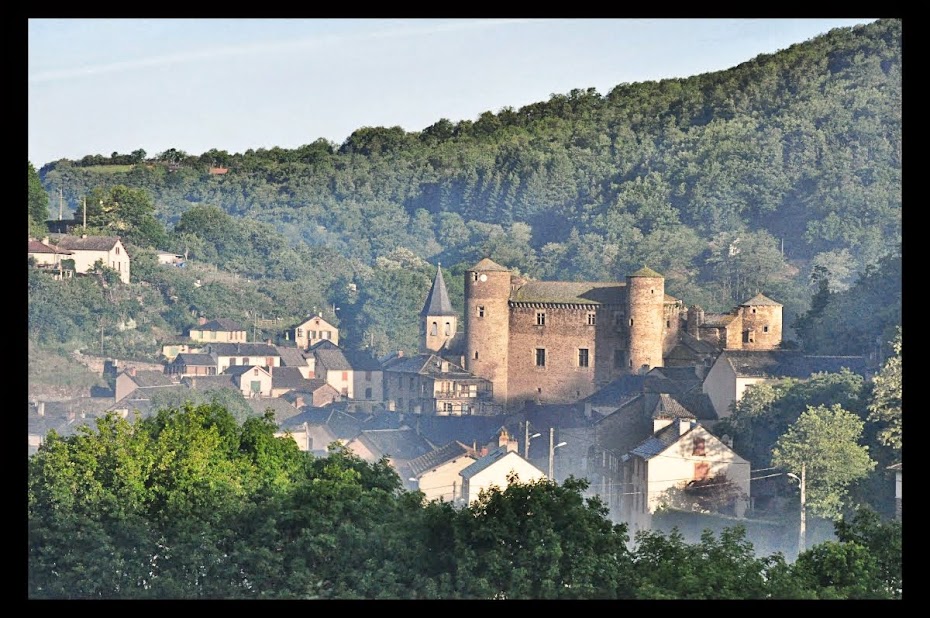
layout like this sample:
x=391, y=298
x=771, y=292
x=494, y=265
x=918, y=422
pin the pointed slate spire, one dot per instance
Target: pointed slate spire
x=438, y=303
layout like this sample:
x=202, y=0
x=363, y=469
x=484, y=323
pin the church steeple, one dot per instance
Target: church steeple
x=438, y=321
x=437, y=302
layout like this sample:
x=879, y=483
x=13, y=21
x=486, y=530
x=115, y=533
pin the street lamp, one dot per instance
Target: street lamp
x=803, y=527
x=552, y=448
x=526, y=440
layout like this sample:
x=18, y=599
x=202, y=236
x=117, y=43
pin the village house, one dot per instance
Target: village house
x=438, y=473
x=220, y=330
x=48, y=257
x=232, y=354
x=313, y=330
x=194, y=364
x=251, y=380
x=86, y=251
x=496, y=469
x=430, y=384
x=354, y=374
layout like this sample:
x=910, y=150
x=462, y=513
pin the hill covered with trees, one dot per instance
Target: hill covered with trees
x=781, y=175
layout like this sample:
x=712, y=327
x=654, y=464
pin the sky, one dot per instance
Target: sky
x=98, y=86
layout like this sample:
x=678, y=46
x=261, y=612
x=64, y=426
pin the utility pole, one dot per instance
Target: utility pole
x=803, y=528
x=526, y=440
x=61, y=198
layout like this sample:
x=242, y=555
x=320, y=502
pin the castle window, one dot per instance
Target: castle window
x=540, y=357
x=448, y=329
x=753, y=309
x=592, y=318
x=631, y=321
x=476, y=354
x=367, y=393
x=765, y=329
x=480, y=311
x=583, y=357
x=433, y=329
x=540, y=318
x=474, y=276
x=668, y=323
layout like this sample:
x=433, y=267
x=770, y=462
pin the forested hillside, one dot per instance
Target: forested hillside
x=781, y=175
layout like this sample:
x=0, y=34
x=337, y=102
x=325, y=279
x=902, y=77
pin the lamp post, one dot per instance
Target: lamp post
x=526, y=440
x=803, y=527
x=552, y=448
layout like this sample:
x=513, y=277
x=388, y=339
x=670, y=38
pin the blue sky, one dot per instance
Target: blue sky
x=98, y=86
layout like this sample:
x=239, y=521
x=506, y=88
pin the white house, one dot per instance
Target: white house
x=679, y=454
x=495, y=470
x=313, y=330
x=438, y=473
x=87, y=250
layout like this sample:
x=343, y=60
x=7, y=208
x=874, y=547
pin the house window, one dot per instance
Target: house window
x=345, y=376
x=448, y=329
x=583, y=357
x=592, y=318
x=668, y=323
x=697, y=447
x=411, y=382
x=433, y=329
x=345, y=391
x=233, y=361
x=540, y=318
x=311, y=334
x=269, y=361
x=300, y=332
x=753, y=309
x=325, y=334
x=117, y=250
x=256, y=386
x=368, y=393
x=255, y=371
x=540, y=357
x=480, y=311
x=701, y=470
x=212, y=334
x=368, y=376
x=447, y=407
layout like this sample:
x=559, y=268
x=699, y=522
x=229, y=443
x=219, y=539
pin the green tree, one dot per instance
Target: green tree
x=886, y=405
x=825, y=442
x=125, y=212
x=37, y=197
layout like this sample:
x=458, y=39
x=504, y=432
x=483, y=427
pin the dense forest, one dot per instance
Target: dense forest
x=191, y=504
x=781, y=175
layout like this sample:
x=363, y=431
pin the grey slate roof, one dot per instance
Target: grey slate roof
x=194, y=360
x=342, y=425
x=665, y=406
x=569, y=292
x=439, y=456
x=487, y=461
x=148, y=378
x=658, y=442
x=238, y=370
x=471, y=430
x=338, y=359
x=437, y=301
x=243, y=349
x=288, y=377
x=789, y=363
x=219, y=324
x=91, y=243
x=760, y=300
x=403, y=443
x=291, y=356
x=489, y=265
x=429, y=365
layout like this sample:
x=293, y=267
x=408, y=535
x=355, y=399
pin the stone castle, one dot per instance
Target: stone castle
x=560, y=341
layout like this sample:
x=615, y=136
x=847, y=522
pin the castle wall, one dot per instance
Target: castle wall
x=565, y=333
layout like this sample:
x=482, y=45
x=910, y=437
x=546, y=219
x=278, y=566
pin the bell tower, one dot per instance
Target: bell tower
x=438, y=321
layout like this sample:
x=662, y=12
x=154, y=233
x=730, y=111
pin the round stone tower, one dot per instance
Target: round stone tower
x=487, y=324
x=645, y=303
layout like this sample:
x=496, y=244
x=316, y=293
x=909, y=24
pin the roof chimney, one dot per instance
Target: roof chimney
x=41, y=408
x=684, y=425
x=132, y=371
x=201, y=320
